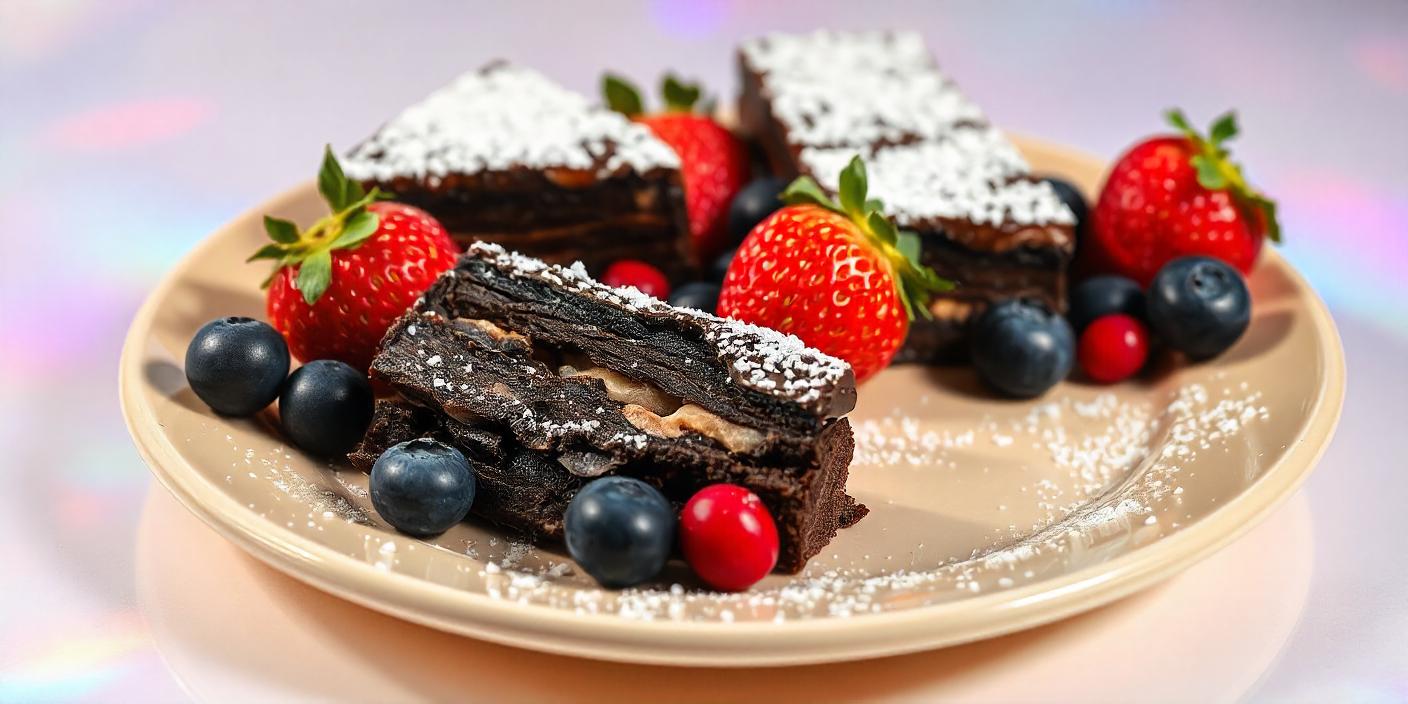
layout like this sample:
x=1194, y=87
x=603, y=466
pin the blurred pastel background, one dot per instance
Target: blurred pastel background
x=130, y=128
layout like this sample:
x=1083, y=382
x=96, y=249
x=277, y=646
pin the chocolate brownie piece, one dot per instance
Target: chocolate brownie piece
x=580, y=380
x=505, y=155
x=815, y=101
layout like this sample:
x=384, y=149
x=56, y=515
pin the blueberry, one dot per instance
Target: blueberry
x=1022, y=348
x=326, y=407
x=422, y=487
x=1099, y=296
x=719, y=269
x=1199, y=306
x=236, y=365
x=756, y=201
x=700, y=295
x=1071, y=196
x=620, y=530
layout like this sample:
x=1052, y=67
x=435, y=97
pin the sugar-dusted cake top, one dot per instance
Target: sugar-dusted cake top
x=759, y=359
x=837, y=89
x=499, y=117
x=972, y=173
x=930, y=152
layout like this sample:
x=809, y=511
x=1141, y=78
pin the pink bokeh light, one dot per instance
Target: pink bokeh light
x=128, y=125
x=1384, y=60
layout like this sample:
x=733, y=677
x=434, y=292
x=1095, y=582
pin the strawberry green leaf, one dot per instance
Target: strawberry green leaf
x=874, y=204
x=804, y=190
x=853, y=187
x=908, y=244
x=268, y=251
x=621, y=95
x=1267, y=209
x=1176, y=118
x=281, y=231
x=359, y=227
x=337, y=190
x=1209, y=174
x=679, y=95
x=1223, y=129
x=314, y=276
x=883, y=228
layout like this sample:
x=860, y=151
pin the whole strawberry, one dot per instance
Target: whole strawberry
x=1178, y=195
x=340, y=284
x=837, y=275
x=713, y=162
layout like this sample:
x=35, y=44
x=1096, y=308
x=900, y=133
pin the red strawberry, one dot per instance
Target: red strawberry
x=713, y=162
x=342, y=282
x=1178, y=195
x=838, y=276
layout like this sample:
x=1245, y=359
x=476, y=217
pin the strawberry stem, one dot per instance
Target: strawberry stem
x=346, y=226
x=1217, y=172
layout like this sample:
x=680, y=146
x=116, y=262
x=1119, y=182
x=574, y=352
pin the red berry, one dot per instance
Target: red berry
x=372, y=284
x=644, y=277
x=1113, y=348
x=728, y=537
x=828, y=274
x=714, y=167
x=1173, y=196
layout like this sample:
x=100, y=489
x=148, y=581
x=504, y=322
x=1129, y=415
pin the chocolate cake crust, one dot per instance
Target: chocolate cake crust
x=573, y=380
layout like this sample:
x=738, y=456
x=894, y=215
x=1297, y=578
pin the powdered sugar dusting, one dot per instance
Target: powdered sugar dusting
x=499, y=117
x=929, y=151
x=1128, y=491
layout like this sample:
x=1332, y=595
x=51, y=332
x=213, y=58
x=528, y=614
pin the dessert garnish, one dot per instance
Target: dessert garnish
x=1021, y=347
x=1113, y=348
x=236, y=365
x=339, y=284
x=638, y=275
x=422, y=487
x=325, y=407
x=503, y=154
x=1177, y=195
x=728, y=537
x=713, y=162
x=838, y=275
x=620, y=530
x=546, y=380
x=1199, y=306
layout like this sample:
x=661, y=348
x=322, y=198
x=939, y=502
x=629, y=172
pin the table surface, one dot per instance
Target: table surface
x=129, y=129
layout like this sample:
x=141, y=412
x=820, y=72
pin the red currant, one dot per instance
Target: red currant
x=633, y=272
x=1113, y=348
x=728, y=537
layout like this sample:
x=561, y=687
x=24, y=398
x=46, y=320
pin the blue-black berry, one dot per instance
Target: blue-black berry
x=325, y=407
x=422, y=487
x=236, y=365
x=1199, y=306
x=756, y=201
x=1100, y=296
x=1022, y=348
x=620, y=530
x=700, y=295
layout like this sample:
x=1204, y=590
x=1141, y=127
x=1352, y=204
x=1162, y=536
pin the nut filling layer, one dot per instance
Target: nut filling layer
x=656, y=413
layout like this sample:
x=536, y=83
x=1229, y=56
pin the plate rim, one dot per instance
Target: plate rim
x=738, y=644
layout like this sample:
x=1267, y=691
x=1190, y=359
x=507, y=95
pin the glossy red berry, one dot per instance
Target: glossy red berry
x=633, y=272
x=1113, y=348
x=728, y=537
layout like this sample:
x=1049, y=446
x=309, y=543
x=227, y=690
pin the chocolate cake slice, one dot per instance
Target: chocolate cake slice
x=814, y=101
x=547, y=379
x=505, y=155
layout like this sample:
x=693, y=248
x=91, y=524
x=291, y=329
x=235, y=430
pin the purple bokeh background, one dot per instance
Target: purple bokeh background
x=130, y=129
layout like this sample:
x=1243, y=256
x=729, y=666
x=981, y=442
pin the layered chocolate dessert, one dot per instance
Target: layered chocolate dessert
x=814, y=101
x=546, y=379
x=505, y=155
